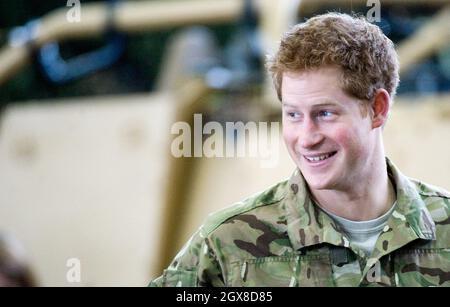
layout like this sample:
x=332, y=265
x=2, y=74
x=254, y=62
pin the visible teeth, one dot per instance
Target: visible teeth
x=319, y=158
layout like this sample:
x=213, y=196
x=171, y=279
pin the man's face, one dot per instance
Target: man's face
x=325, y=132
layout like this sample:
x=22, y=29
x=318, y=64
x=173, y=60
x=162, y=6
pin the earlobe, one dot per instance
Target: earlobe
x=380, y=108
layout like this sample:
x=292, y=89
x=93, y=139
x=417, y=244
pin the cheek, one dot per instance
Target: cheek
x=350, y=141
x=289, y=136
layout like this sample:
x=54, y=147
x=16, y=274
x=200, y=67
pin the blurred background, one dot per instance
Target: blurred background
x=89, y=92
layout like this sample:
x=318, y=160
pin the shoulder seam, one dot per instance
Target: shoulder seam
x=434, y=194
x=436, y=191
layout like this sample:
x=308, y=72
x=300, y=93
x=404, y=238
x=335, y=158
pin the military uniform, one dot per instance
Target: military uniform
x=281, y=238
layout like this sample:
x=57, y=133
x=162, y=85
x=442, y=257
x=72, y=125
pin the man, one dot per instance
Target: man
x=347, y=216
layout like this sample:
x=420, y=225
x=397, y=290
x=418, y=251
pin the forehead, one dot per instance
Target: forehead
x=313, y=85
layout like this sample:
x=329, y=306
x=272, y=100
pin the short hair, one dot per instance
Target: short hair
x=366, y=56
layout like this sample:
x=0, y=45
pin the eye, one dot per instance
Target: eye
x=325, y=113
x=293, y=115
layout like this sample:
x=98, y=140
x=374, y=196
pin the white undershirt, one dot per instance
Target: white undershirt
x=363, y=234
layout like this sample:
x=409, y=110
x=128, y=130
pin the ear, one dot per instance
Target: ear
x=380, y=108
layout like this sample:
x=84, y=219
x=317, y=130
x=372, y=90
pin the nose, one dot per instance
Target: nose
x=310, y=134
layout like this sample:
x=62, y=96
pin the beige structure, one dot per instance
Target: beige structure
x=83, y=180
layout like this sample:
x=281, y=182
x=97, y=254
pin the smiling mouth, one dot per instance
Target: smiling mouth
x=321, y=157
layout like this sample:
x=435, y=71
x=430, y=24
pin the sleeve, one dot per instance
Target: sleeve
x=196, y=265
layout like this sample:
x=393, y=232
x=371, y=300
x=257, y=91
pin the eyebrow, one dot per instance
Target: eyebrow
x=287, y=104
x=318, y=105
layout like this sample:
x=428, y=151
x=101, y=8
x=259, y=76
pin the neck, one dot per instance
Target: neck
x=367, y=199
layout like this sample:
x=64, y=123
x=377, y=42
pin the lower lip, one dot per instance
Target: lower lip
x=320, y=163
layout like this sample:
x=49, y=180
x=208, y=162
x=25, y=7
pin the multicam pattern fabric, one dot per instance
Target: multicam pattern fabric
x=281, y=238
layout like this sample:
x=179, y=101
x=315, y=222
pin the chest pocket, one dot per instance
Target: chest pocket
x=423, y=268
x=303, y=271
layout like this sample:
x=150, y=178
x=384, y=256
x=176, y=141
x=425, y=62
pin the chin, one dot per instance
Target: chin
x=318, y=186
x=319, y=183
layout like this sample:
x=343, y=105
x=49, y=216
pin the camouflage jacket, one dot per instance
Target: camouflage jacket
x=280, y=238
